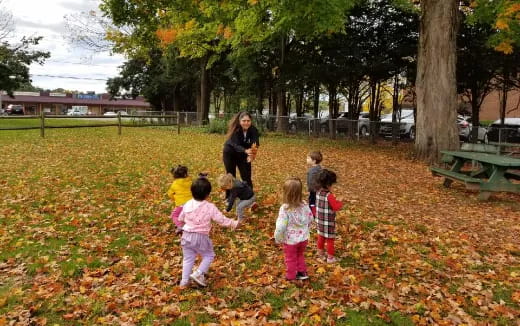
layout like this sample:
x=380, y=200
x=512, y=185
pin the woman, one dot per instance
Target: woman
x=240, y=137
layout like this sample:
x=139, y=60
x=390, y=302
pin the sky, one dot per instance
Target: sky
x=46, y=18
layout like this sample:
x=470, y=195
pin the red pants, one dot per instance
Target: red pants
x=294, y=259
x=330, y=244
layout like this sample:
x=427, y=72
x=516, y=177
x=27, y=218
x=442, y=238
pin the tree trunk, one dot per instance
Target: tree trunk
x=372, y=112
x=475, y=114
x=203, y=103
x=332, y=113
x=283, y=120
x=299, y=103
x=436, y=80
x=316, y=102
x=503, y=101
x=395, y=108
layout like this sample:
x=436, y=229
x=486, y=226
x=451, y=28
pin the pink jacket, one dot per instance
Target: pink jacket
x=197, y=215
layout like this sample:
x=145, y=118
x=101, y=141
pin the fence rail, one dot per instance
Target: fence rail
x=312, y=127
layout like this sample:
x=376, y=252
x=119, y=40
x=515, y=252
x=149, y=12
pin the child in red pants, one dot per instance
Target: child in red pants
x=292, y=229
x=326, y=208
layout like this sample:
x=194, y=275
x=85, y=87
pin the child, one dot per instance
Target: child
x=179, y=192
x=292, y=229
x=197, y=215
x=313, y=160
x=326, y=208
x=237, y=189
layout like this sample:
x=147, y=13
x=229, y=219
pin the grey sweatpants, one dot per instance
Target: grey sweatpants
x=243, y=204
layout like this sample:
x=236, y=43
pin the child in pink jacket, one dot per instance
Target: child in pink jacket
x=197, y=215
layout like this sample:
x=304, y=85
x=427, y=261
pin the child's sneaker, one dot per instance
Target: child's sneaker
x=198, y=277
x=254, y=207
x=320, y=254
x=302, y=276
x=331, y=260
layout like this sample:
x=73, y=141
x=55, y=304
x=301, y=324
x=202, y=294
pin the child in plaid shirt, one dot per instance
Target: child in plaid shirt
x=326, y=207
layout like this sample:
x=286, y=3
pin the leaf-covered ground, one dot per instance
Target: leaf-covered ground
x=85, y=238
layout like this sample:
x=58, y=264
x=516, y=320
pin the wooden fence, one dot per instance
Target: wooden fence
x=119, y=121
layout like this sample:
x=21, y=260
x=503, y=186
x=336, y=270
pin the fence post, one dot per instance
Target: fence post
x=178, y=122
x=42, y=124
x=119, y=123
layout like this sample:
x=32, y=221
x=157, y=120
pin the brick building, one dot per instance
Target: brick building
x=60, y=103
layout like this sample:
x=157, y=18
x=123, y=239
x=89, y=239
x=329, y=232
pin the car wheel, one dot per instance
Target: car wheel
x=411, y=134
x=324, y=129
x=363, y=131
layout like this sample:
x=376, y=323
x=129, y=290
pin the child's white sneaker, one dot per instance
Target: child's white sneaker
x=198, y=277
x=331, y=260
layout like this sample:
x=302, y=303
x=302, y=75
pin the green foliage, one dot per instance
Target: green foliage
x=15, y=61
x=217, y=126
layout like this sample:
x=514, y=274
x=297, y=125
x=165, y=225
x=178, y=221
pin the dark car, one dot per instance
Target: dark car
x=507, y=133
x=15, y=110
x=342, y=123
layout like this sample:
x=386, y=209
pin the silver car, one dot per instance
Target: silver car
x=465, y=127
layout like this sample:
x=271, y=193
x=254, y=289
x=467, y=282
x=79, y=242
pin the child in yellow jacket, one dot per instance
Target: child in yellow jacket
x=179, y=193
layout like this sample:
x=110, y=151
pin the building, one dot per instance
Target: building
x=60, y=103
x=490, y=108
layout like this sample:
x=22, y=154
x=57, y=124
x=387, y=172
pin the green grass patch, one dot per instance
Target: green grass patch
x=504, y=293
x=369, y=225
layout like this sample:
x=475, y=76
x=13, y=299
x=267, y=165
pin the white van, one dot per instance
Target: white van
x=78, y=110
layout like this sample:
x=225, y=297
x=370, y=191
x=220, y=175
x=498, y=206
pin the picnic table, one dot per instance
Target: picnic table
x=507, y=148
x=494, y=172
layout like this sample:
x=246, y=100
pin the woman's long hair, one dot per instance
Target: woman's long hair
x=234, y=123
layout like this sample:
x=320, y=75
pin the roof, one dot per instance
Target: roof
x=508, y=121
x=73, y=101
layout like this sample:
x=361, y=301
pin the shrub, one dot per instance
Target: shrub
x=217, y=126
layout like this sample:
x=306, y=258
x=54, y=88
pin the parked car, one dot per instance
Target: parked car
x=343, y=123
x=406, y=121
x=465, y=129
x=110, y=114
x=508, y=133
x=364, y=123
x=15, y=109
x=299, y=123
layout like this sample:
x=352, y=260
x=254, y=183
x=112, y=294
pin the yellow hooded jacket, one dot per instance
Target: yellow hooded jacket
x=180, y=191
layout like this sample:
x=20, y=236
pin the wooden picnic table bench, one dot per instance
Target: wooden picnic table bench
x=494, y=172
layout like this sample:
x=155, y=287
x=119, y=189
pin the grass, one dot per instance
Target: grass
x=85, y=227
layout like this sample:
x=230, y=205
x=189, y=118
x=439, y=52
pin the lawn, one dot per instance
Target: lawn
x=85, y=237
x=12, y=123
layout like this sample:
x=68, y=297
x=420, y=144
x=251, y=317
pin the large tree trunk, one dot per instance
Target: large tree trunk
x=436, y=80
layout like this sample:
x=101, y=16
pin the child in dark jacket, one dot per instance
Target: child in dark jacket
x=237, y=189
x=313, y=160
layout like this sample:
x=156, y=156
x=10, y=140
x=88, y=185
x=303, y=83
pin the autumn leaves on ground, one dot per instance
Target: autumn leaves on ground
x=85, y=237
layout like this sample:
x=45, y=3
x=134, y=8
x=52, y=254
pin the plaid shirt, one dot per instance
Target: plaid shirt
x=325, y=214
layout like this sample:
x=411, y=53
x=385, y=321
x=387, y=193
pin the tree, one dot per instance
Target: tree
x=436, y=82
x=477, y=67
x=15, y=61
x=6, y=23
x=168, y=84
